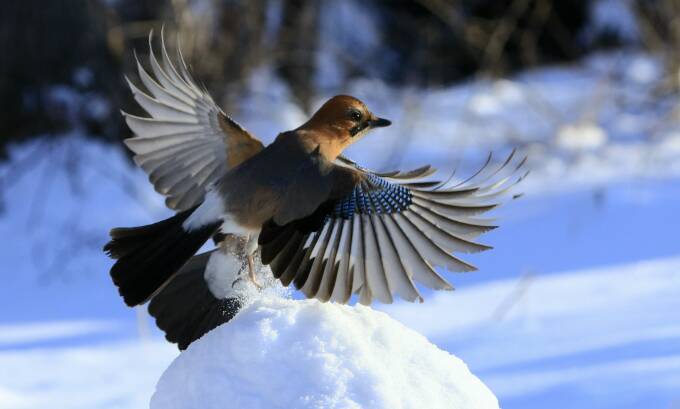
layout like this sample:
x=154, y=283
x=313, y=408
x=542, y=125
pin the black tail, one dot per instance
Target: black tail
x=149, y=255
x=185, y=308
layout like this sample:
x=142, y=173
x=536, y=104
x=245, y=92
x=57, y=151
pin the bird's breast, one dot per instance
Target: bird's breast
x=242, y=213
x=251, y=207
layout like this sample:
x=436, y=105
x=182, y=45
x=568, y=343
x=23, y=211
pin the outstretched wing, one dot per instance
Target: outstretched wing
x=187, y=143
x=386, y=233
x=420, y=172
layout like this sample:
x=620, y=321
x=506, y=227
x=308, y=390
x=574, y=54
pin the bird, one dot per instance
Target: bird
x=321, y=222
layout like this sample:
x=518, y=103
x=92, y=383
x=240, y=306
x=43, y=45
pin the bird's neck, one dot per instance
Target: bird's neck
x=329, y=141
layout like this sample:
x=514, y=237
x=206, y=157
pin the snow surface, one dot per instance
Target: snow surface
x=280, y=353
x=114, y=375
x=583, y=338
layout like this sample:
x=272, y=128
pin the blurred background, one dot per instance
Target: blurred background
x=577, y=305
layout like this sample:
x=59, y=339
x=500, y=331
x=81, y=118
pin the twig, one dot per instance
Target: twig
x=514, y=297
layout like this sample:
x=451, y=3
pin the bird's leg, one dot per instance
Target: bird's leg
x=242, y=246
x=251, y=272
x=250, y=249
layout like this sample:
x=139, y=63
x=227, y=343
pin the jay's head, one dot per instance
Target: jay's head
x=345, y=119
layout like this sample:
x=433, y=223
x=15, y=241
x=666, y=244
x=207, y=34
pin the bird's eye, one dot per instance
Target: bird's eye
x=355, y=115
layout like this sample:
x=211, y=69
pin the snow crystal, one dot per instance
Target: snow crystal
x=280, y=353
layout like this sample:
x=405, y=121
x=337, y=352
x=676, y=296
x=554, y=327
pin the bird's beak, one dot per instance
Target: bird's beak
x=376, y=122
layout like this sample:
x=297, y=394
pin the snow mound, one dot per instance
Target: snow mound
x=281, y=353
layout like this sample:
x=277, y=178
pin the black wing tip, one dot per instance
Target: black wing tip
x=115, y=248
x=108, y=249
x=129, y=300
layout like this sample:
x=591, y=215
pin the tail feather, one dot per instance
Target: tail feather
x=185, y=309
x=148, y=256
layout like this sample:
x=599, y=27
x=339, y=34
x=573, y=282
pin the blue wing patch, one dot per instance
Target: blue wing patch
x=373, y=195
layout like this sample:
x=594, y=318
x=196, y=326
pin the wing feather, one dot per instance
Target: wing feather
x=291, y=270
x=187, y=143
x=159, y=92
x=302, y=270
x=342, y=289
x=357, y=255
x=398, y=279
x=330, y=269
x=413, y=261
x=389, y=231
x=313, y=280
x=375, y=274
x=428, y=248
x=463, y=227
x=159, y=109
x=443, y=238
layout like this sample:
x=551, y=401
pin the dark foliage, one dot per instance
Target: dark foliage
x=83, y=48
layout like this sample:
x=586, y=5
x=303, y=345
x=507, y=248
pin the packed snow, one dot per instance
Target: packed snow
x=280, y=353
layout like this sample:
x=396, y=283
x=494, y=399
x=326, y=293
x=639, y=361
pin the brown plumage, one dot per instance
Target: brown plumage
x=240, y=145
x=291, y=177
x=329, y=226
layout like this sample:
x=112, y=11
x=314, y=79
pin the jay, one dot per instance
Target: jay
x=322, y=222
